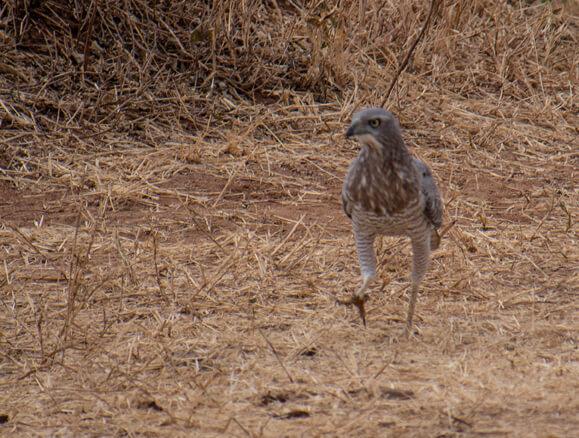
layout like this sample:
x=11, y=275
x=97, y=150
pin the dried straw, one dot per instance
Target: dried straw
x=172, y=239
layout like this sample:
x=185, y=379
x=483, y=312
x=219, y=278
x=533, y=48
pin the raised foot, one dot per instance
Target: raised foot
x=358, y=301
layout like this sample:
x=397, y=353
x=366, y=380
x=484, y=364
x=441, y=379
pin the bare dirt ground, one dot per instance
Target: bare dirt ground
x=172, y=242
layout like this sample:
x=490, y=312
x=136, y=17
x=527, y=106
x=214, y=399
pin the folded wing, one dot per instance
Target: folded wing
x=432, y=201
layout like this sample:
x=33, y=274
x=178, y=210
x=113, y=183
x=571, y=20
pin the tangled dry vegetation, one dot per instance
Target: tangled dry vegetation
x=172, y=241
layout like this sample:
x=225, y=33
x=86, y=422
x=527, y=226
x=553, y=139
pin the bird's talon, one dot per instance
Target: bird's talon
x=358, y=301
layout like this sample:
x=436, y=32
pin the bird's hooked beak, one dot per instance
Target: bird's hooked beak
x=359, y=130
x=353, y=130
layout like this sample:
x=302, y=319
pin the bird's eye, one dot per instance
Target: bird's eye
x=374, y=123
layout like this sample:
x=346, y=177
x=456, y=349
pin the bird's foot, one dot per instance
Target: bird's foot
x=357, y=300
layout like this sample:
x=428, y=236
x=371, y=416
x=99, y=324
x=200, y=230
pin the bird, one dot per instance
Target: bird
x=388, y=191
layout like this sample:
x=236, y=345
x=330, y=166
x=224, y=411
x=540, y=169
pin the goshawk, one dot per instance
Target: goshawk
x=389, y=192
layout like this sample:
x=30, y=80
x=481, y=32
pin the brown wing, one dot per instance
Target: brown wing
x=432, y=201
x=347, y=201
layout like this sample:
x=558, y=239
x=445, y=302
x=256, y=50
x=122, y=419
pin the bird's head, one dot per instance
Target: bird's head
x=375, y=127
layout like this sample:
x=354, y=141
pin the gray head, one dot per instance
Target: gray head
x=376, y=128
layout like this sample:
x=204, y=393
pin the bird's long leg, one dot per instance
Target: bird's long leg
x=367, y=259
x=420, y=261
x=411, y=305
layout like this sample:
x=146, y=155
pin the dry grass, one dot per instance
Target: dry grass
x=172, y=241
